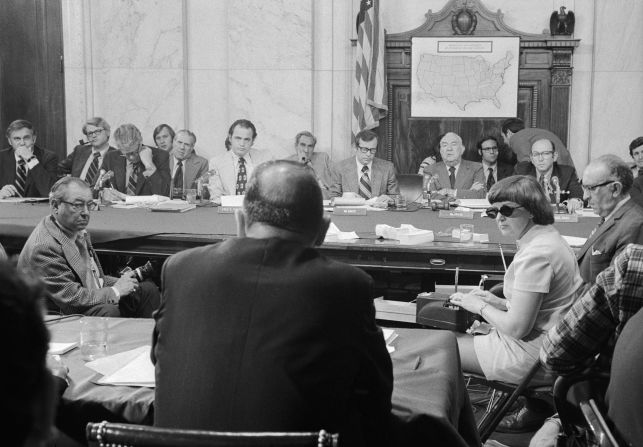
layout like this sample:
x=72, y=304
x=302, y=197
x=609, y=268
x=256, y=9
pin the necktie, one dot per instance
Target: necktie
x=543, y=183
x=133, y=179
x=490, y=179
x=242, y=177
x=21, y=177
x=90, y=177
x=177, y=185
x=90, y=276
x=365, y=184
x=452, y=177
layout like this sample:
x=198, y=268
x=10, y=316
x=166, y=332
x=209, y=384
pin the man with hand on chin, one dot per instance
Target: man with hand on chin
x=26, y=170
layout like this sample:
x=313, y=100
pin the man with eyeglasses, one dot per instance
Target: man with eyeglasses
x=364, y=174
x=26, y=170
x=86, y=160
x=492, y=169
x=551, y=175
x=455, y=177
x=139, y=170
x=60, y=251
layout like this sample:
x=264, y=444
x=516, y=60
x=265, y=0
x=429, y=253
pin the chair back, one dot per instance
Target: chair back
x=410, y=186
x=105, y=434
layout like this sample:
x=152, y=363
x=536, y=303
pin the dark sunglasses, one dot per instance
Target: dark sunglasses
x=505, y=210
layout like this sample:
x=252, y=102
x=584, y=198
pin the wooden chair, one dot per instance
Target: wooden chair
x=105, y=434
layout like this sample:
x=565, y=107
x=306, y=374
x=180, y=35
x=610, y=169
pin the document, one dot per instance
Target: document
x=61, y=348
x=129, y=368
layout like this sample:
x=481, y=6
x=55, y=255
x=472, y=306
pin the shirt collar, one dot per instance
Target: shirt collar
x=359, y=165
x=486, y=166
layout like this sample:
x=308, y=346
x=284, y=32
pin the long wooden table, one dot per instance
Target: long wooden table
x=429, y=395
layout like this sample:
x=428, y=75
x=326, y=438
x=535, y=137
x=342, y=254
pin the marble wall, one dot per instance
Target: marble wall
x=287, y=65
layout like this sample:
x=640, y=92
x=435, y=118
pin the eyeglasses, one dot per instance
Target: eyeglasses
x=366, y=150
x=94, y=133
x=541, y=155
x=505, y=210
x=492, y=148
x=593, y=188
x=79, y=206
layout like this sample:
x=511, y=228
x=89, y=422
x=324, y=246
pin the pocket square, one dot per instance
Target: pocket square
x=596, y=252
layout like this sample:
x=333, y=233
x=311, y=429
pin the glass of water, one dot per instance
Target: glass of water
x=93, y=337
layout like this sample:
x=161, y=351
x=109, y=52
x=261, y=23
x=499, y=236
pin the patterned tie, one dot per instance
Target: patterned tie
x=90, y=177
x=242, y=178
x=21, y=177
x=177, y=185
x=365, y=184
x=543, y=183
x=133, y=179
x=452, y=177
x=490, y=179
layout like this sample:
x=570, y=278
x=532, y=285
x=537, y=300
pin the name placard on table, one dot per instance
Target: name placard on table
x=455, y=214
x=566, y=218
x=349, y=211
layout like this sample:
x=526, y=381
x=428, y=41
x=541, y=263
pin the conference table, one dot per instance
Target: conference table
x=429, y=395
x=140, y=232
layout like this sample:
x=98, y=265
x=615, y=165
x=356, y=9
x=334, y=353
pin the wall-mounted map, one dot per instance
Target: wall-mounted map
x=464, y=77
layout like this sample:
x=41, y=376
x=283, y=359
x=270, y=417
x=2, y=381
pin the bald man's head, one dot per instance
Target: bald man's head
x=284, y=195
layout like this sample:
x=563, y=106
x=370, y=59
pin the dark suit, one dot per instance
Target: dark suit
x=40, y=179
x=157, y=183
x=193, y=167
x=568, y=180
x=266, y=334
x=624, y=227
x=383, y=179
x=637, y=190
x=469, y=172
x=75, y=162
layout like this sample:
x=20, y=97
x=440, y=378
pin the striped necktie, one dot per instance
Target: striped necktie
x=21, y=177
x=90, y=177
x=365, y=184
x=452, y=177
x=490, y=179
x=242, y=178
x=133, y=180
x=177, y=184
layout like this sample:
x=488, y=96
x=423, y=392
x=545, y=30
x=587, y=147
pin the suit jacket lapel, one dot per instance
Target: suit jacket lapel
x=376, y=179
x=69, y=249
x=462, y=175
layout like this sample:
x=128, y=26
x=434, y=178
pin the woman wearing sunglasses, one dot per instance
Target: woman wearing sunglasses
x=539, y=286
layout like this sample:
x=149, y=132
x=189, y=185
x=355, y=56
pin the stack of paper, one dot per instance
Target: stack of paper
x=478, y=204
x=406, y=234
x=173, y=206
x=61, y=348
x=145, y=200
x=334, y=233
x=129, y=368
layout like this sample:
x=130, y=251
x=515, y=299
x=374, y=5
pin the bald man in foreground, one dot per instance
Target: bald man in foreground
x=262, y=333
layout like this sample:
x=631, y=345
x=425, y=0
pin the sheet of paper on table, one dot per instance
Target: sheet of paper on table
x=232, y=201
x=477, y=204
x=574, y=241
x=334, y=232
x=61, y=348
x=405, y=233
x=389, y=336
x=129, y=368
x=24, y=199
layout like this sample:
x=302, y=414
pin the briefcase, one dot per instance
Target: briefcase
x=435, y=310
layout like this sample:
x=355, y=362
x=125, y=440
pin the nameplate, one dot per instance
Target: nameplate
x=227, y=209
x=566, y=218
x=349, y=211
x=455, y=214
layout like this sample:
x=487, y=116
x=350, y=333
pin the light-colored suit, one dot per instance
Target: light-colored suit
x=383, y=179
x=469, y=172
x=320, y=164
x=223, y=180
x=193, y=167
x=624, y=227
x=56, y=259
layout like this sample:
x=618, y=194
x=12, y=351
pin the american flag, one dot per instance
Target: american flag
x=369, y=85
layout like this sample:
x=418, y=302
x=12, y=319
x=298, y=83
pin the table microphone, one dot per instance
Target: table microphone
x=556, y=183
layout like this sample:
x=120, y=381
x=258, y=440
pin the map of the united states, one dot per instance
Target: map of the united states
x=462, y=80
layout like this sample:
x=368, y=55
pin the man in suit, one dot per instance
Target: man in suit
x=454, y=176
x=231, y=171
x=492, y=169
x=636, y=152
x=317, y=162
x=364, y=174
x=187, y=166
x=59, y=250
x=545, y=168
x=291, y=342
x=520, y=140
x=139, y=170
x=86, y=160
x=25, y=169
x=607, y=182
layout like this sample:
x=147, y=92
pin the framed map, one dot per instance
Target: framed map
x=464, y=77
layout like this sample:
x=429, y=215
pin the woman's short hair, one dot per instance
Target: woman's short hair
x=526, y=192
x=158, y=129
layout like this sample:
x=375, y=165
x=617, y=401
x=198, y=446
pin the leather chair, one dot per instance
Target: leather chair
x=105, y=434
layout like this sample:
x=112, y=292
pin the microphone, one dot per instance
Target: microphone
x=99, y=180
x=556, y=183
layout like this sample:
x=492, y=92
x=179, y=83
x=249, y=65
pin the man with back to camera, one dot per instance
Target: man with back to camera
x=231, y=171
x=520, y=139
x=60, y=251
x=86, y=160
x=545, y=168
x=453, y=176
x=607, y=182
x=492, y=169
x=317, y=162
x=26, y=170
x=364, y=174
x=292, y=343
x=186, y=166
x=139, y=170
